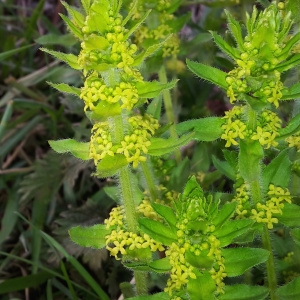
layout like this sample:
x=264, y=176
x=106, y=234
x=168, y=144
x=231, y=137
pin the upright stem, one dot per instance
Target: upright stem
x=149, y=180
x=169, y=110
x=128, y=191
x=272, y=281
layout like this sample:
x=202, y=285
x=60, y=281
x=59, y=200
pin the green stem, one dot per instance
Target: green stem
x=272, y=281
x=128, y=193
x=149, y=180
x=141, y=282
x=255, y=189
x=169, y=110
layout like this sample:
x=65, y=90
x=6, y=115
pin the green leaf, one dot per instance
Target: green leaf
x=224, y=167
x=167, y=213
x=65, y=88
x=206, y=129
x=79, y=150
x=250, y=156
x=289, y=63
x=154, y=108
x=110, y=165
x=97, y=42
x=72, y=27
x=105, y=110
x=136, y=24
x=224, y=214
x=224, y=46
x=286, y=51
x=77, y=17
x=296, y=235
x=93, y=236
x=278, y=171
x=209, y=73
x=290, y=215
x=148, y=52
x=290, y=291
x=158, y=231
x=231, y=157
x=161, y=265
x=235, y=30
x=244, y=292
x=161, y=146
x=24, y=282
x=66, y=40
x=151, y=89
x=291, y=128
x=239, y=260
x=201, y=288
x=86, y=5
x=70, y=59
x=291, y=93
x=201, y=261
x=232, y=230
x=7, y=54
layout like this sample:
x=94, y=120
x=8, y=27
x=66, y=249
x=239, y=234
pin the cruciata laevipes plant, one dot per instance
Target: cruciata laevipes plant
x=198, y=240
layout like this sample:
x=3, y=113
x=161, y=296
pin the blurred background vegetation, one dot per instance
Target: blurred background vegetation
x=43, y=194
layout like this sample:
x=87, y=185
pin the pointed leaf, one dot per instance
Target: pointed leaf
x=209, y=73
x=70, y=59
x=290, y=63
x=224, y=46
x=167, y=213
x=161, y=265
x=94, y=41
x=250, y=156
x=235, y=30
x=290, y=291
x=291, y=93
x=72, y=27
x=292, y=127
x=86, y=5
x=65, y=88
x=110, y=165
x=278, y=171
x=224, y=167
x=290, y=215
x=77, y=17
x=201, y=288
x=161, y=146
x=93, y=236
x=152, y=89
x=136, y=24
x=239, y=260
x=206, y=129
x=244, y=292
x=231, y=157
x=224, y=214
x=233, y=229
x=66, y=40
x=105, y=110
x=158, y=231
x=79, y=150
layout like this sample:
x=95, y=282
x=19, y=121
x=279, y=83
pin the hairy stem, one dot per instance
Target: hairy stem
x=149, y=180
x=169, y=111
x=271, y=274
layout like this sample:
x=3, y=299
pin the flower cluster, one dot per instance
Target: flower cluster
x=135, y=144
x=294, y=141
x=267, y=127
x=243, y=201
x=259, y=57
x=121, y=241
x=264, y=213
x=160, y=29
